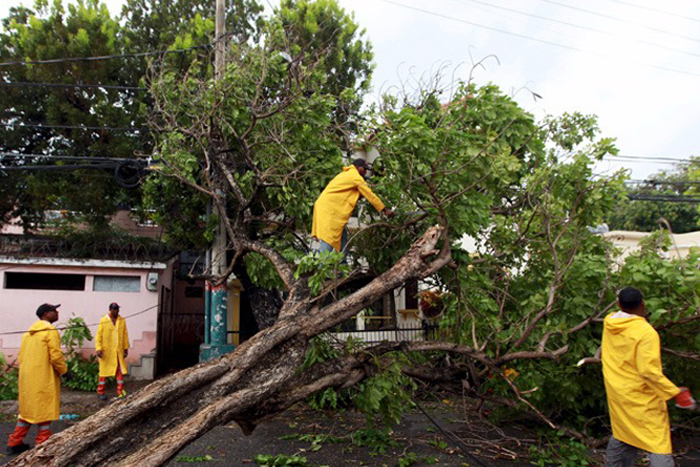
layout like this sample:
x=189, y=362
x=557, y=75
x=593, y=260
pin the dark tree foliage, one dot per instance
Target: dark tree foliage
x=66, y=120
x=89, y=122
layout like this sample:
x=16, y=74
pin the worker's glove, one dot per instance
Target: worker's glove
x=67, y=376
x=684, y=400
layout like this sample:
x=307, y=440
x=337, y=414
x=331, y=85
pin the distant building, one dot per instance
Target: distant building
x=628, y=242
x=85, y=279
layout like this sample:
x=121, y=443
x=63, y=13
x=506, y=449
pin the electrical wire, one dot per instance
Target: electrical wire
x=664, y=198
x=450, y=436
x=52, y=157
x=55, y=168
x=103, y=57
x=503, y=31
x=63, y=328
x=19, y=84
x=634, y=156
x=522, y=36
x=77, y=127
x=663, y=182
x=24, y=84
x=60, y=157
x=656, y=10
x=129, y=173
x=645, y=159
x=587, y=28
x=614, y=18
x=643, y=162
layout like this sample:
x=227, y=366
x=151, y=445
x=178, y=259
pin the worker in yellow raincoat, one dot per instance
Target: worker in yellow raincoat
x=636, y=387
x=112, y=347
x=41, y=364
x=334, y=206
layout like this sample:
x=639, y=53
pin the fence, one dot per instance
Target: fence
x=408, y=331
x=412, y=331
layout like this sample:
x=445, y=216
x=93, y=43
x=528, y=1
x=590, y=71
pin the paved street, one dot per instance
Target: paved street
x=325, y=440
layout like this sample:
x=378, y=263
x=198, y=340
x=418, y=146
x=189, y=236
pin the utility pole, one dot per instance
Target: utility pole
x=216, y=336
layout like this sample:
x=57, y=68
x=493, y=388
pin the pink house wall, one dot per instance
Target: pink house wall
x=18, y=306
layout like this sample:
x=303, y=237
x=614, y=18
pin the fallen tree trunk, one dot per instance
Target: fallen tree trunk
x=260, y=378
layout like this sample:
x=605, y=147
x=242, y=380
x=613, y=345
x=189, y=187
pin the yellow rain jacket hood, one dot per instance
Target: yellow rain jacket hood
x=336, y=203
x=112, y=341
x=41, y=364
x=636, y=387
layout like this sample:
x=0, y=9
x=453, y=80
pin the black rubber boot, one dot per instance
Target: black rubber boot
x=19, y=449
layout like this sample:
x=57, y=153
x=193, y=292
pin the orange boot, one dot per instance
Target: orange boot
x=16, y=445
x=44, y=432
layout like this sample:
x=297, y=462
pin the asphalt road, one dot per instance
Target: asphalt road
x=334, y=439
x=294, y=433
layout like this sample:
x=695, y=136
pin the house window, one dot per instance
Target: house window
x=117, y=284
x=44, y=281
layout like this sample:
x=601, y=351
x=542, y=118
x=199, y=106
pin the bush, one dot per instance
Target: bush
x=8, y=380
x=83, y=372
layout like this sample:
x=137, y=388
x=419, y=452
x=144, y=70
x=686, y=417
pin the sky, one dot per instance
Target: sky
x=633, y=63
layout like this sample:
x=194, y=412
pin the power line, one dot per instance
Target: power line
x=614, y=18
x=62, y=85
x=103, y=57
x=645, y=158
x=587, y=28
x=129, y=173
x=664, y=198
x=656, y=10
x=691, y=158
x=522, y=36
x=664, y=182
x=59, y=157
x=503, y=31
x=76, y=127
x=62, y=328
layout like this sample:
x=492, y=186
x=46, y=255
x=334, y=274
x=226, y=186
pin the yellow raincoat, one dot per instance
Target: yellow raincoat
x=636, y=387
x=336, y=203
x=112, y=341
x=41, y=363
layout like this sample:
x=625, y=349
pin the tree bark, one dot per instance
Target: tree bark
x=259, y=379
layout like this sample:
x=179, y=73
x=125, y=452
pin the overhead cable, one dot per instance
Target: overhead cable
x=656, y=10
x=103, y=57
x=664, y=182
x=129, y=173
x=633, y=161
x=614, y=18
x=645, y=158
x=73, y=85
x=63, y=328
x=664, y=198
x=58, y=157
x=543, y=41
x=76, y=127
x=587, y=28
